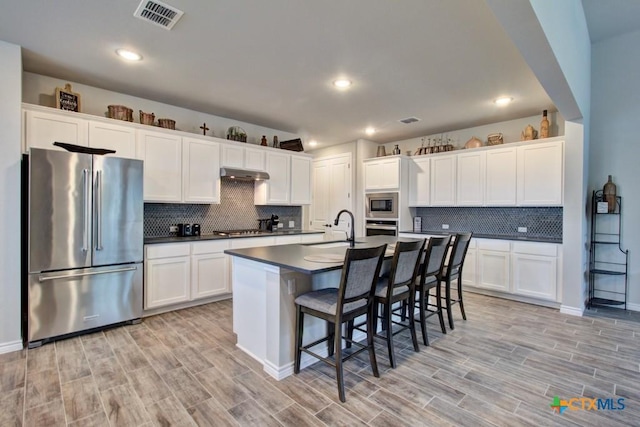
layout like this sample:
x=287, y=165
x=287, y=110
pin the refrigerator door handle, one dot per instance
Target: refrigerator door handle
x=91, y=273
x=87, y=210
x=98, y=217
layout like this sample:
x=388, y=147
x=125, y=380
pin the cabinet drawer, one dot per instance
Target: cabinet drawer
x=209, y=247
x=168, y=250
x=252, y=242
x=534, y=248
x=493, y=245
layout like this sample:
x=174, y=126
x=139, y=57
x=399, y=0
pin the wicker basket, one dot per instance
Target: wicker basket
x=494, y=139
x=120, y=112
x=167, y=123
x=147, y=118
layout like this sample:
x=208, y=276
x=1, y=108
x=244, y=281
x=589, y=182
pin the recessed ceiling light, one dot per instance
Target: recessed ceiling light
x=129, y=55
x=313, y=143
x=370, y=131
x=342, y=83
x=502, y=101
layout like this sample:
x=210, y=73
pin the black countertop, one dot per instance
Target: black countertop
x=492, y=236
x=291, y=257
x=176, y=239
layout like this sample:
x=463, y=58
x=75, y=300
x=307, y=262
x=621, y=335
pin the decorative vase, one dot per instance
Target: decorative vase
x=609, y=195
x=381, y=151
x=544, y=125
x=263, y=142
x=396, y=150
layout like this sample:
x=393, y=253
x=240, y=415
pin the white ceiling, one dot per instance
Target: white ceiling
x=272, y=62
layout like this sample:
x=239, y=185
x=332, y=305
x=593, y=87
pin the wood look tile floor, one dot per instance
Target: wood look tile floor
x=501, y=367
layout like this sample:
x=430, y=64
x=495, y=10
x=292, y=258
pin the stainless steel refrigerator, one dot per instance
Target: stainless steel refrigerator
x=85, y=243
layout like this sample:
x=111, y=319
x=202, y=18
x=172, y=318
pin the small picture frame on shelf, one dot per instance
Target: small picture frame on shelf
x=603, y=207
x=67, y=100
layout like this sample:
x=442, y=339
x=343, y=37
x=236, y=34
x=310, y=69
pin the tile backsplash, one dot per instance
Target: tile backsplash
x=235, y=211
x=543, y=222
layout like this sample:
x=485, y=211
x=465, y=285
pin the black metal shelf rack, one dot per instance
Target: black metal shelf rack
x=604, y=261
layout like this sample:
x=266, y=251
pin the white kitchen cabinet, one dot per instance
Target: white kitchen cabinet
x=419, y=181
x=540, y=174
x=493, y=265
x=42, y=129
x=112, y=136
x=443, y=180
x=469, y=268
x=167, y=275
x=500, y=179
x=534, y=268
x=311, y=238
x=275, y=190
x=201, y=171
x=236, y=156
x=300, y=180
x=209, y=269
x=162, y=155
x=470, y=178
x=382, y=174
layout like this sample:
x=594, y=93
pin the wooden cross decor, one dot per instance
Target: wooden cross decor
x=204, y=128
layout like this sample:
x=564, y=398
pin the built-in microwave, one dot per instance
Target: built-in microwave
x=381, y=205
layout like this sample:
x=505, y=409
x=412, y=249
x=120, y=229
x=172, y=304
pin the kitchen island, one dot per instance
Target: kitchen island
x=266, y=281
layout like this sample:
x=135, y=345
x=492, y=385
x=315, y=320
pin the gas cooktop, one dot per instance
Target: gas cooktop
x=240, y=232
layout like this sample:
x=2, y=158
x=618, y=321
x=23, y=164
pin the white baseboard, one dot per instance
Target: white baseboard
x=8, y=347
x=633, y=307
x=574, y=311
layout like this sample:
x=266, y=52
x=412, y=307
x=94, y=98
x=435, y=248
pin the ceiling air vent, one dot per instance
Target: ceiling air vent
x=409, y=120
x=158, y=13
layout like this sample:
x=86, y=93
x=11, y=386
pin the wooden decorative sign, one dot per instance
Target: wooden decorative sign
x=67, y=100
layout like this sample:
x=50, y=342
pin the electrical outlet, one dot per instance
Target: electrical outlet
x=292, y=224
x=445, y=226
x=173, y=229
x=522, y=229
x=280, y=225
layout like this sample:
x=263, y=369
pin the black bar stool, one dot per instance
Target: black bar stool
x=352, y=299
x=432, y=266
x=398, y=286
x=453, y=271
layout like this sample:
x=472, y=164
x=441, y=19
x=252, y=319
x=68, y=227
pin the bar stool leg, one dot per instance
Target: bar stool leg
x=412, y=324
x=387, y=317
x=330, y=339
x=299, y=329
x=349, y=333
x=338, y=351
x=370, y=333
x=423, y=315
x=464, y=316
x=447, y=294
x=439, y=308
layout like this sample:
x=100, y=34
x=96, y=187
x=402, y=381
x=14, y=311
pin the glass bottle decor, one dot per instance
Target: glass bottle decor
x=544, y=125
x=609, y=193
x=396, y=150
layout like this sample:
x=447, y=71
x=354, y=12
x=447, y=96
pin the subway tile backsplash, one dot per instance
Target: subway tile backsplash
x=543, y=222
x=235, y=211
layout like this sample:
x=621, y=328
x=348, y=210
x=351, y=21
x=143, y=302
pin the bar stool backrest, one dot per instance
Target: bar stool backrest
x=458, y=254
x=405, y=264
x=435, y=255
x=360, y=274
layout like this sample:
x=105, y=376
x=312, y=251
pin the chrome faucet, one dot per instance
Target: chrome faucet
x=351, y=239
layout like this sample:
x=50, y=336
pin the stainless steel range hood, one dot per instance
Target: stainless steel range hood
x=243, y=174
